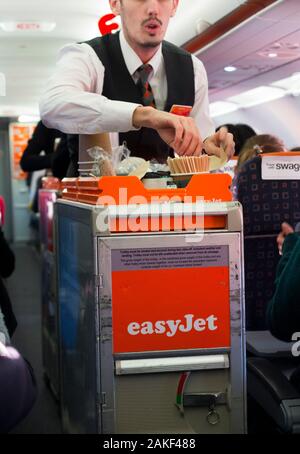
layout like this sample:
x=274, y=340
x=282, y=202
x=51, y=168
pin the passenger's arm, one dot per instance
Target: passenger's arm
x=286, y=229
x=283, y=312
x=4, y=336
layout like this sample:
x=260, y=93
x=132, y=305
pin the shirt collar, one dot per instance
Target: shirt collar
x=133, y=61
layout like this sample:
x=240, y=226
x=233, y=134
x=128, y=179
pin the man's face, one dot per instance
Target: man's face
x=144, y=22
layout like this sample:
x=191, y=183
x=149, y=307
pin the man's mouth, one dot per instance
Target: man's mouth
x=152, y=26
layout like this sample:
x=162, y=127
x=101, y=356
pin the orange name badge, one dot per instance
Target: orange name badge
x=184, y=111
x=170, y=299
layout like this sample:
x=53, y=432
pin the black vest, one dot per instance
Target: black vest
x=119, y=85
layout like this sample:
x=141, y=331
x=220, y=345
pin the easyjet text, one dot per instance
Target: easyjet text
x=171, y=327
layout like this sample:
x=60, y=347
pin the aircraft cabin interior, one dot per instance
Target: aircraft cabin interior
x=150, y=218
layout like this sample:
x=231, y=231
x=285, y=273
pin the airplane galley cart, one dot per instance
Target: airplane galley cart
x=151, y=314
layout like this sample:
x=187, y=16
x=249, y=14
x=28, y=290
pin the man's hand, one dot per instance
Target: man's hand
x=180, y=133
x=220, y=141
x=286, y=229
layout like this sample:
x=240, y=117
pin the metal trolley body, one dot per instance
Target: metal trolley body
x=47, y=198
x=151, y=324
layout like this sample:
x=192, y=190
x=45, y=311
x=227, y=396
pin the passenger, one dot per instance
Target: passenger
x=241, y=133
x=263, y=143
x=283, y=312
x=7, y=266
x=17, y=383
x=103, y=86
x=43, y=140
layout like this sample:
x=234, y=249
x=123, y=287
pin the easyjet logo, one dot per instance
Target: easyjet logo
x=171, y=327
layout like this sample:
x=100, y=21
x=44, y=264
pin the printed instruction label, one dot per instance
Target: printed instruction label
x=170, y=258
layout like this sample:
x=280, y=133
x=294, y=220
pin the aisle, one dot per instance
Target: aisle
x=25, y=289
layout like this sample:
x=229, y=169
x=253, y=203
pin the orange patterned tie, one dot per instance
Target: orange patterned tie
x=144, y=86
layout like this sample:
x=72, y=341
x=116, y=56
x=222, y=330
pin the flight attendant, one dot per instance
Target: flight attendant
x=127, y=83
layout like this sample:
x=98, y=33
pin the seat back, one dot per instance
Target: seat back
x=266, y=204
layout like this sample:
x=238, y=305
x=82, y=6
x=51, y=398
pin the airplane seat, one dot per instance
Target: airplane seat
x=270, y=364
x=266, y=204
x=276, y=395
x=273, y=382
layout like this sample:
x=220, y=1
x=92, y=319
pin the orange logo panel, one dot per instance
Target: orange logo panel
x=171, y=309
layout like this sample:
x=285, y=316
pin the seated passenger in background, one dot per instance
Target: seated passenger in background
x=283, y=312
x=263, y=143
x=7, y=266
x=241, y=133
x=17, y=383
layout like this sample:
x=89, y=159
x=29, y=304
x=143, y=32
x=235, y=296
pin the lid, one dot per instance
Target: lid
x=159, y=174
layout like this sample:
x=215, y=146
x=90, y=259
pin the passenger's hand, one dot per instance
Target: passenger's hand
x=180, y=133
x=286, y=229
x=3, y=349
x=220, y=141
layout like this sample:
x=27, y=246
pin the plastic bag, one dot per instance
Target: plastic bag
x=118, y=162
x=126, y=165
x=119, y=154
x=104, y=163
x=101, y=164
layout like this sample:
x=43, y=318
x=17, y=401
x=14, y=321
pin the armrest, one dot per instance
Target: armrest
x=272, y=379
x=264, y=345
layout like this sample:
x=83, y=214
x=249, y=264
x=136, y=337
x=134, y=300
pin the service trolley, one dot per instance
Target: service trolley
x=151, y=308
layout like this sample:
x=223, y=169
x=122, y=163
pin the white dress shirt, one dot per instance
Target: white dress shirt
x=73, y=100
